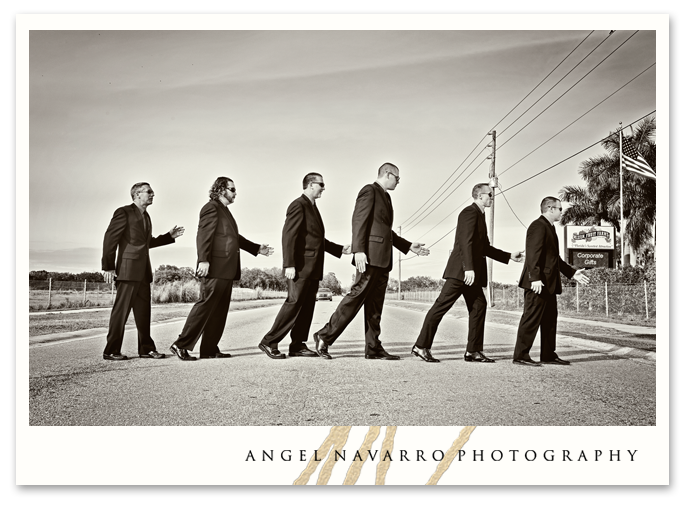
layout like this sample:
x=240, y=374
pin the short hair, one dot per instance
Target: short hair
x=310, y=178
x=385, y=167
x=548, y=202
x=137, y=188
x=219, y=187
x=475, y=193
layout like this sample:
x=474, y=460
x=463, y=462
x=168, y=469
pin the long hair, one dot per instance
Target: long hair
x=219, y=187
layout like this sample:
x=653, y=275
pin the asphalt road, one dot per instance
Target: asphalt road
x=70, y=384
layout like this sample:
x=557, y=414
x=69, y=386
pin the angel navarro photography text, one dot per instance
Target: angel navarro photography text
x=591, y=455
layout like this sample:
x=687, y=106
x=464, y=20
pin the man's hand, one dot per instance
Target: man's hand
x=266, y=250
x=537, y=286
x=347, y=250
x=109, y=276
x=469, y=277
x=361, y=259
x=176, y=231
x=517, y=256
x=203, y=269
x=290, y=272
x=581, y=277
x=418, y=249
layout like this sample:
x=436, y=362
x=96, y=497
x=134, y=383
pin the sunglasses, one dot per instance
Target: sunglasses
x=232, y=190
x=321, y=184
x=395, y=176
x=558, y=208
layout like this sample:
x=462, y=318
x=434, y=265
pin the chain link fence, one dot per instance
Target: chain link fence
x=49, y=294
x=610, y=300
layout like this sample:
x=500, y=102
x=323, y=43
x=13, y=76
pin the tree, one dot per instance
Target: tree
x=393, y=285
x=170, y=273
x=599, y=201
x=421, y=283
x=330, y=281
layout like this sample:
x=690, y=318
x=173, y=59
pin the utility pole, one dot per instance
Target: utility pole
x=399, y=297
x=491, y=215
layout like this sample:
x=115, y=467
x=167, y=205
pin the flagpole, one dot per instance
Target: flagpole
x=622, y=212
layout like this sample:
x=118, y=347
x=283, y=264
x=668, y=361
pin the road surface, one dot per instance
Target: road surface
x=70, y=384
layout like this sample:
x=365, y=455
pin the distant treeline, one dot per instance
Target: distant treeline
x=273, y=279
x=266, y=279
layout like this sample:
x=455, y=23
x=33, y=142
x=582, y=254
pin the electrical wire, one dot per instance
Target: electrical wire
x=501, y=120
x=562, y=79
x=549, y=168
x=567, y=91
x=420, y=219
x=580, y=117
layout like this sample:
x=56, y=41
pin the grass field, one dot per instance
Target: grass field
x=60, y=321
x=102, y=297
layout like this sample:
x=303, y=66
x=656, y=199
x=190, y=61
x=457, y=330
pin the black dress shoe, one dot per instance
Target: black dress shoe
x=303, y=352
x=180, y=353
x=526, y=361
x=271, y=352
x=218, y=354
x=477, y=356
x=114, y=356
x=556, y=361
x=153, y=354
x=321, y=347
x=381, y=355
x=423, y=353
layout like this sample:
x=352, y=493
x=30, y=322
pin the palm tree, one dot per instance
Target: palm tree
x=599, y=201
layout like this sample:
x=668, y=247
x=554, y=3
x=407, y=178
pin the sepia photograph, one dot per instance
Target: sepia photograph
x=346, y=230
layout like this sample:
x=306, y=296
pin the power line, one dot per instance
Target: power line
x=420, y=219
x=567, y=91
x=511, y=209
x=551, y=167
x=554, y=85
x=503, y=118
x=580, y=117
x=528, y=154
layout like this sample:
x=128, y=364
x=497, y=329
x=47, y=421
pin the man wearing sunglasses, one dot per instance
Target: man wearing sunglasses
x=304, y=245
x=129, y=232
x=540, y=280
x=371, y=241
x=466, y=274
x=218, y=264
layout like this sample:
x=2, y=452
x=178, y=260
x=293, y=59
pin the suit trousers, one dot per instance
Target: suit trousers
x=475, y=303
x=135, y=296
x=540, y=311
x=207, y=317
x=368, y=290
x=295, y=316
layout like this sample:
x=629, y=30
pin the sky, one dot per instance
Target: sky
x=177, y=109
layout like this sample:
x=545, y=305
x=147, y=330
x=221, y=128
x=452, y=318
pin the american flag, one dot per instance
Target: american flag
x=633, y=161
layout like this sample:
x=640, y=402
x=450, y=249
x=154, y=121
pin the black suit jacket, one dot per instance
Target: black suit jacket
x=543, y=260
x=471, y=247
x=371, y=227
x=219, y=243
x=303, y=240
x=129, y=232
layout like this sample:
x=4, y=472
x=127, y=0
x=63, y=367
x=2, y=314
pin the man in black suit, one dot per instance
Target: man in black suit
x=129, y=232
x=540, y=280
x=304, y=246
x=218, y=264
x=372, y=240
x=466, y=274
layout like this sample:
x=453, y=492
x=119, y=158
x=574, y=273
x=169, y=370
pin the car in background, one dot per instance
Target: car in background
x=324, y=294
